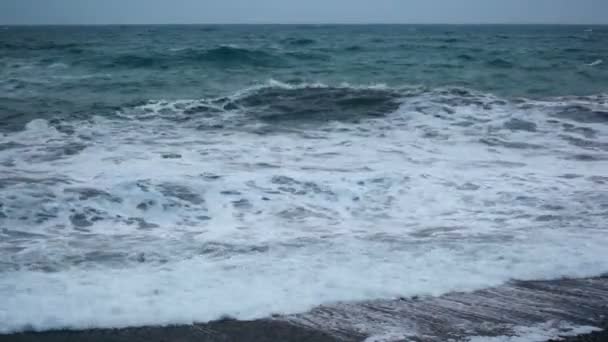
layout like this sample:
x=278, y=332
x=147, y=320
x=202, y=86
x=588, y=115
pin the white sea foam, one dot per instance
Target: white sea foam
x=58, y=66
x=189, y=225
x=596, y=63
x=280, y=281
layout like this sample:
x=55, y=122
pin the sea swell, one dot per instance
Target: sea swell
x=275, y=198
x=154, y=174
x=221, y=56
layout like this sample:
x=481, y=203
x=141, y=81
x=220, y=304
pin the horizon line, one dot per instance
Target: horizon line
x=310, y=24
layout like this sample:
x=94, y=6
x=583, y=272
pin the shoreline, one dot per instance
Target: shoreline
x=227, y=330
x=556, y=308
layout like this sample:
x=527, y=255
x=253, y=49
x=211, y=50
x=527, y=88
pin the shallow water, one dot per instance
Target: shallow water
x=177, y=174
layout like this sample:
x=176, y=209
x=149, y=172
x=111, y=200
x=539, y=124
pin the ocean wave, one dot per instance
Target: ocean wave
x=429, y=191
x=354, y=48
x=281, y=103
x=466, y=57
x=37, y=46
x=134, y=61
x=222, y=55
x=500, y=63
x=237, y=55
x=278, y=103
x=300, y=41
x=595, y=63
x=177, y=186
x=309, y=56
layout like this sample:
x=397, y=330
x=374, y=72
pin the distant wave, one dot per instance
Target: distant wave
x=299, y=41
x=466, y=57
x=596, y=63
x=41, y=47
x=231, y=54
x=500, y=63
x=222, y=55
x=309, y=56
x=354, y=48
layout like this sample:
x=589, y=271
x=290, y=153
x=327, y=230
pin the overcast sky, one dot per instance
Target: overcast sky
x=301, y=11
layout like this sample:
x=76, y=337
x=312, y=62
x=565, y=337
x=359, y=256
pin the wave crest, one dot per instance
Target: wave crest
x=276, y=102
x=222, y=55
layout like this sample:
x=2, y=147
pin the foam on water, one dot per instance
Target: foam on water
x=146, y=218
x=596, y=63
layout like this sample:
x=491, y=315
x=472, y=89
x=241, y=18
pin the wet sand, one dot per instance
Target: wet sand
x=600, y=336
x=223, y=331
x=456, y=316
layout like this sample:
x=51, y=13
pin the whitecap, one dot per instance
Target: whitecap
x=595, y=63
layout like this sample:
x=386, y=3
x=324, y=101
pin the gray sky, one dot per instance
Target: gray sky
x=301, y=11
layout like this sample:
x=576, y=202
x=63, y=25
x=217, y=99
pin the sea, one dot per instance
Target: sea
x=158, y=175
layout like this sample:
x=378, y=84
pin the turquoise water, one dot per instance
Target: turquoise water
x=80, y=71
x=177, y=174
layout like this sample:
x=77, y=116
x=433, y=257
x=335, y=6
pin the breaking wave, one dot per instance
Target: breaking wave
x=276, y=198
